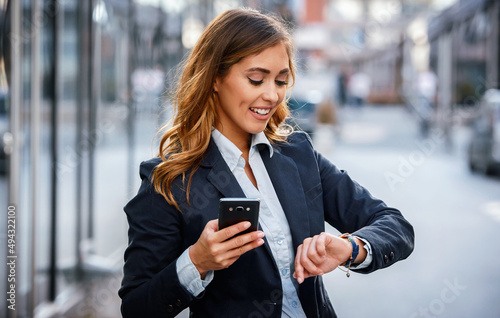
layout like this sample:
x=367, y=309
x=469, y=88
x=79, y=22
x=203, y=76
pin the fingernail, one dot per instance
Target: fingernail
x=261, y=242
x=261, y=234
x=247, y=225
x=300, y=280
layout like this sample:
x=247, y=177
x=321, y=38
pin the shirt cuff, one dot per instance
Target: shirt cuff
x=369, y=256
x=189, y=276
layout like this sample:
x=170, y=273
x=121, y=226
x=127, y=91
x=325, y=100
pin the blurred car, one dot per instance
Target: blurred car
x=303, y=111
x=484, y=147
x=3, y=130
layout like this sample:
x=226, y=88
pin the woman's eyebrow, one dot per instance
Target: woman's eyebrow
x=266, y=71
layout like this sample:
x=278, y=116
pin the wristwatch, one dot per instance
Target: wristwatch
x=355, y=249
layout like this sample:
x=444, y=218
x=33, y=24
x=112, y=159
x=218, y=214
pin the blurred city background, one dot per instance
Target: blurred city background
x=403, y=94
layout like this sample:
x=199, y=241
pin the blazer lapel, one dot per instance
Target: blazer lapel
x=219, y=175
x=285, y=177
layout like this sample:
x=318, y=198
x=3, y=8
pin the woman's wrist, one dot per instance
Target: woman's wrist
x=353, y=248
x=192, y=256
x=362, y=251
x=357, y=251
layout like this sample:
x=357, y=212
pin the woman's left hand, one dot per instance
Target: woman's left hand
x=320, y=254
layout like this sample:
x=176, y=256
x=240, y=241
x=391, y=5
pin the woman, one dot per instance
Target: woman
x=228, y=140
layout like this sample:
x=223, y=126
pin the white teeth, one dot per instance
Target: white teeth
x=260, y=111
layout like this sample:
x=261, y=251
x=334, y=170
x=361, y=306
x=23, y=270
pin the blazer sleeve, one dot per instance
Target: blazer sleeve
x=349, y=207
x=150, y=286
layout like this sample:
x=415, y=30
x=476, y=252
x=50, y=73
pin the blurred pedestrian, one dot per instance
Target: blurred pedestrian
x=427, y=84
x=227, y=139
x=359, y=88
x=342, y=87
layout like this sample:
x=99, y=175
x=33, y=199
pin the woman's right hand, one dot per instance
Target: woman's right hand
x=216, y=250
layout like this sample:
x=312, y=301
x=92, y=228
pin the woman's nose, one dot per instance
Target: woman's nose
x=271, y=93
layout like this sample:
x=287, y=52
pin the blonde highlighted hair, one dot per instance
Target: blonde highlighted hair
x=229, y=38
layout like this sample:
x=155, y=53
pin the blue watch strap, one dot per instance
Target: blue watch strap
x=355, y=249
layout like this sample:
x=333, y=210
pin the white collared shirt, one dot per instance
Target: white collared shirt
x=272, y=218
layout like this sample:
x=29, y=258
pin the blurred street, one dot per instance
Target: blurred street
x=453, y=271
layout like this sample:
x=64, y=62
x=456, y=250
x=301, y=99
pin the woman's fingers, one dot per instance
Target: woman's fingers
x=230, y=231
x=239, y=248
x=228, y=246
x=303, y=265
x=309, y=258
x=216, y=250
x=299, y=270
x=312, y=257
x=229, y=241
x=321, y=245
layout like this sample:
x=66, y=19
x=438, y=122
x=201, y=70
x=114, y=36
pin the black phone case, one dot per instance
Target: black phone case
x=235, y=210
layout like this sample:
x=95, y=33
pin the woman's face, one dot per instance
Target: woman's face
x=249, y=94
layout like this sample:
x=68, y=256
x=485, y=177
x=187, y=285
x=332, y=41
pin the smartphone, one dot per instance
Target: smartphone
x=235, y=210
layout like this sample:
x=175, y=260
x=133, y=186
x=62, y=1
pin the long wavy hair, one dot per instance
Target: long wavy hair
x=229, y=38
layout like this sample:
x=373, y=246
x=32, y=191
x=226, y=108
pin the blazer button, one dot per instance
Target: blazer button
x=170, y=308
x=391, y=256
x=178, y=302
x=386, y=259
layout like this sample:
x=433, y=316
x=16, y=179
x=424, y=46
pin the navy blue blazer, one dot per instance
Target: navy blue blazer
x=310, y=189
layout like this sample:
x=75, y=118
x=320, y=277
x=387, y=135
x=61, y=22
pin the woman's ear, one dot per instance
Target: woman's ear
x=215, y=88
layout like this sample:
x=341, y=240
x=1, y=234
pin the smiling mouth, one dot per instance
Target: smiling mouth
x=261, y=111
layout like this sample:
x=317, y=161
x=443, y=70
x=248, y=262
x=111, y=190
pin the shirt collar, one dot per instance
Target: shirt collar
x=231, y=153
x=261, y=139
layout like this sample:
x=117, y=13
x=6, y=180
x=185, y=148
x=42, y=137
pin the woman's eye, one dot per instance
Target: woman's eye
x=256, y=83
